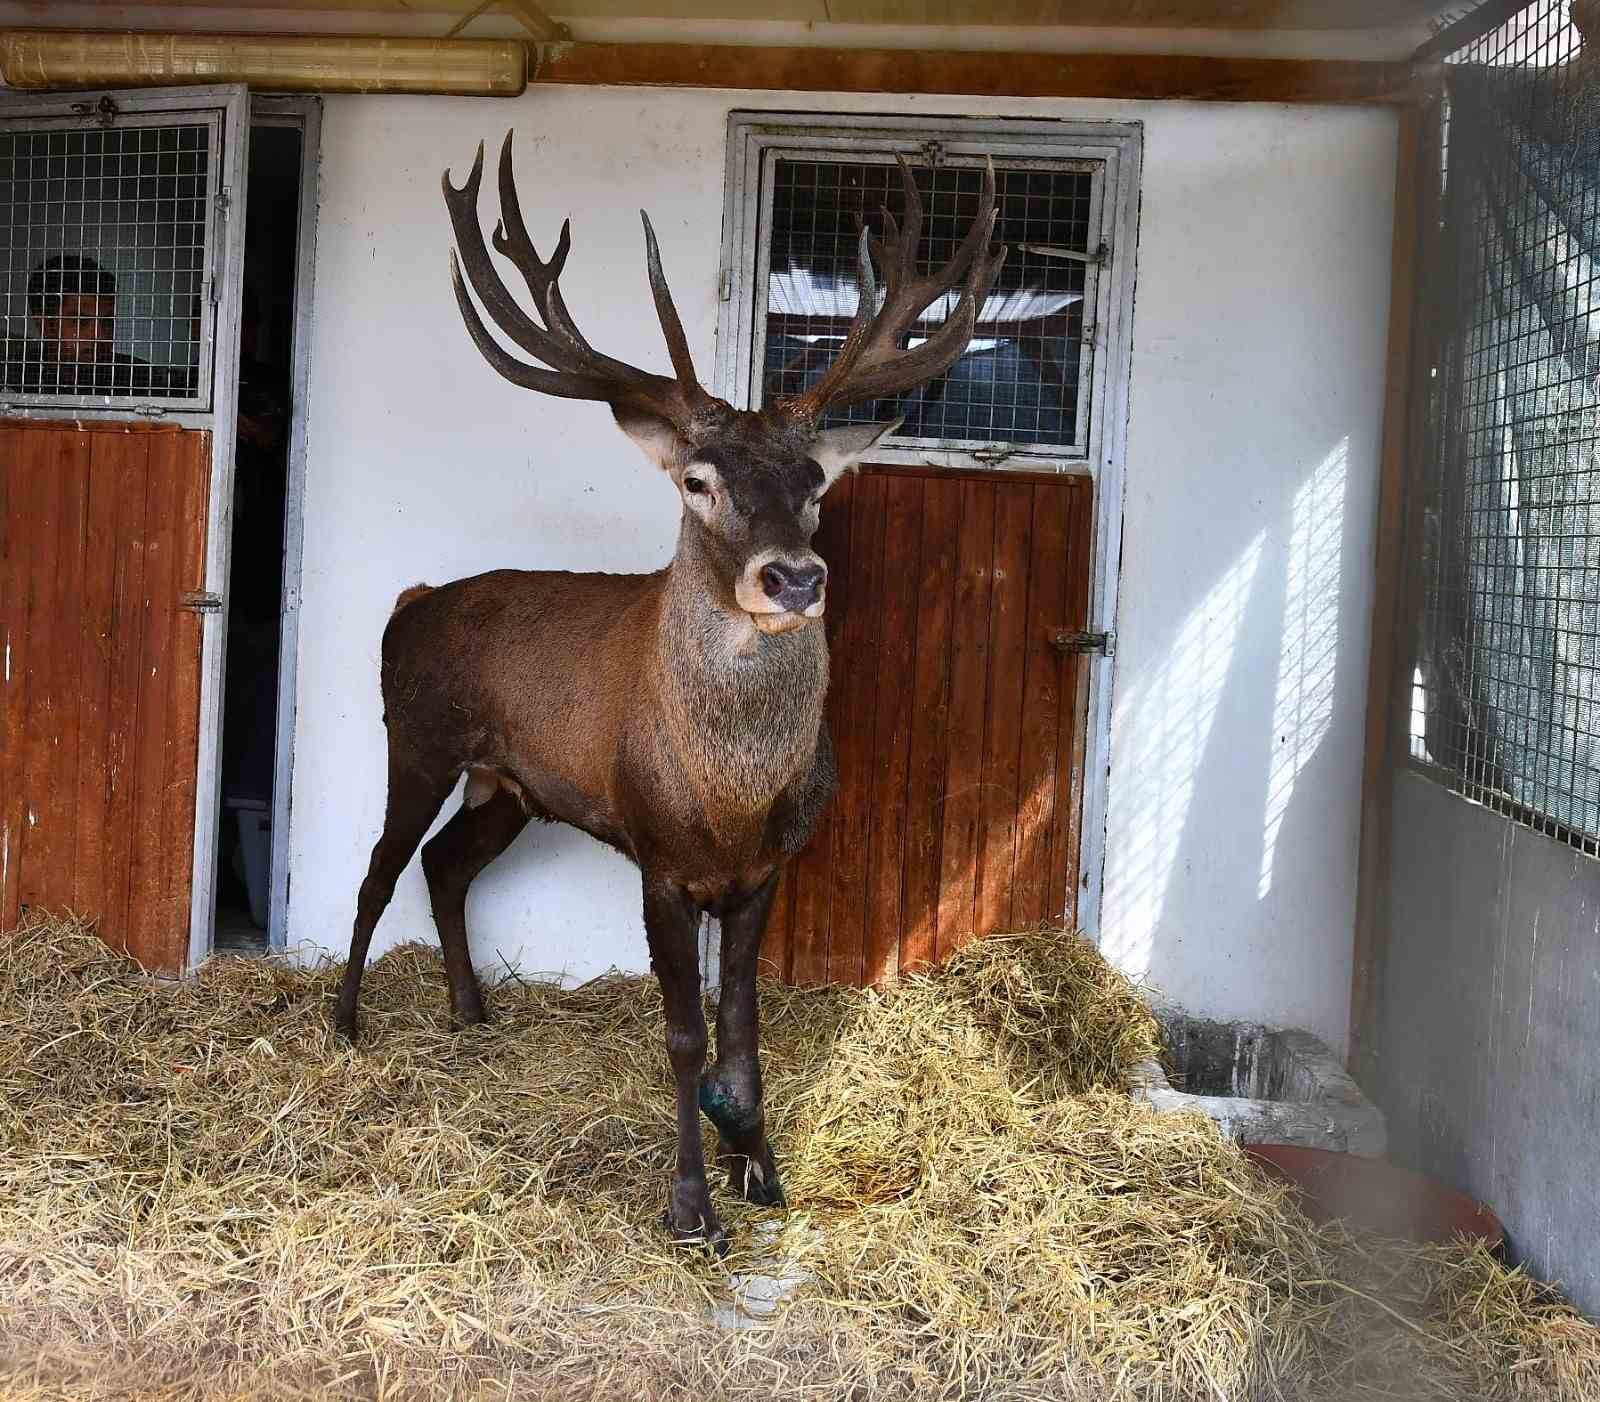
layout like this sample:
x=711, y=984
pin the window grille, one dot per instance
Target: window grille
x=1030, y=383
x=1505, y=695
x=1019, y=379
x=104, y=232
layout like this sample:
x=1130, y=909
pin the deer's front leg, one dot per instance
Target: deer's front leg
x=672, y=923
x=730, y=1092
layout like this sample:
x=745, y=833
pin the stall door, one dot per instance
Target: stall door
x=957, y=720
x=120, y=233
x=102, y=537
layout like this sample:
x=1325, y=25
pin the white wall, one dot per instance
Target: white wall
x=1258, y=346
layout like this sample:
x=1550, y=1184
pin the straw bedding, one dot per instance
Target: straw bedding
x=204, y=1195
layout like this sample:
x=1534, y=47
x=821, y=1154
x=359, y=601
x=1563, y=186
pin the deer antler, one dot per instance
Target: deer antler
x=872, y=363
x=577, y=370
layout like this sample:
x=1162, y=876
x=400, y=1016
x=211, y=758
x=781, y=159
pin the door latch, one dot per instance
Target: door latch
x=104, y=112
x=1073, y=643
x=199, y=601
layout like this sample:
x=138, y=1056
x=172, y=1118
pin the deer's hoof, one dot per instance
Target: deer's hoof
x=690, y=1219
x=703, y=1236
x=755, y=1178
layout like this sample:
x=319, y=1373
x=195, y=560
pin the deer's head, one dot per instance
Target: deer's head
x=751, y=481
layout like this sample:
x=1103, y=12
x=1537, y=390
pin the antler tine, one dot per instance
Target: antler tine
x=577, y=370
x=492, y=292
x=898, y=371
x=667, y=315
x=871, y=363
x=511, y=241
x=902, y=242
x=561, y=383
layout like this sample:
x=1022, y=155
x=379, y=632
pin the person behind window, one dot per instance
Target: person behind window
x=72, y=307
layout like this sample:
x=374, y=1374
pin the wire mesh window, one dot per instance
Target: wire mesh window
x=104, y=232
x=1505, y=698
x=1021, y=378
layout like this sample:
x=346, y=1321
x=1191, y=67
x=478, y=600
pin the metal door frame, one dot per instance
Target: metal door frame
x=1120, y=146
x=305, y=114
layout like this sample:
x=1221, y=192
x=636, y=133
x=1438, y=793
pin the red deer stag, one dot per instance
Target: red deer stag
x=676, y=716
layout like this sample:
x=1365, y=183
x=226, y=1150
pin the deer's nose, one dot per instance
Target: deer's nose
x=794, y=585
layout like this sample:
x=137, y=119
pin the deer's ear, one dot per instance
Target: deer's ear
x=837, y=450
x=656, y=437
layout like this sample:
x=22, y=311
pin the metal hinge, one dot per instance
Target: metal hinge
x=223, y=201
x=199, y=601
x=725, y=287
x=1072, y=643
x=934, y=152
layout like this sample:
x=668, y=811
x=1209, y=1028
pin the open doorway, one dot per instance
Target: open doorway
x=256, y=596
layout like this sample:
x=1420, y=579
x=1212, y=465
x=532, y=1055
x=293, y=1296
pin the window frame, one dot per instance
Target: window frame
x=1110, y=150
x=222, y=110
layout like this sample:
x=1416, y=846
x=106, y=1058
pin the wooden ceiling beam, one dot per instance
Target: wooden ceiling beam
x=544, y=29
x=1135, y=76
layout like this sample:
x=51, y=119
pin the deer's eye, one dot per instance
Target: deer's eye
x=695, y=487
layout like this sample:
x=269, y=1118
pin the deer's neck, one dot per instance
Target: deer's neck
x=743, y=708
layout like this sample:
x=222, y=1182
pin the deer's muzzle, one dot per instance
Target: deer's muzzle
x=775, y=584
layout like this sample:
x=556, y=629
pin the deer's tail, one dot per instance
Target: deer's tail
x=410, y=596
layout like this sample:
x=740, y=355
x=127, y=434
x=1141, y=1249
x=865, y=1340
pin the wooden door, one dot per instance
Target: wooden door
x=102, y=533
x=957, y=724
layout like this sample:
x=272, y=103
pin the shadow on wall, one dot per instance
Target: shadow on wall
x=1216, y=792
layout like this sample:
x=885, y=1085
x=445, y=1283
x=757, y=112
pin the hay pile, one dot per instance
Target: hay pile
x=204, y=1195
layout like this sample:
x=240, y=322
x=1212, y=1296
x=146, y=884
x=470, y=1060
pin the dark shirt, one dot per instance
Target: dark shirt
x=32, y=368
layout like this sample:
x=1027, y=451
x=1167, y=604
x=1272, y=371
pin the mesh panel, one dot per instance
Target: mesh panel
x=1019, y=380
x=102, y=233
x=1506, y=695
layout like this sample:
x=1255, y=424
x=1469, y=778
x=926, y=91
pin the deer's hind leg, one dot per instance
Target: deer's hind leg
x=451, y=860
x=415, y=796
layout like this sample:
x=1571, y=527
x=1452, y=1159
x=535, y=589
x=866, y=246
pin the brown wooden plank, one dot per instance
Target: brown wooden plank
x=147, y=940
x=1041, y=703
x=812, y=869
x=1389, y=656
x=15, y=571
x=1072, y=730
x=192, y=465
x=774, y=962
x=969, y=686
x=1002, y=735
x=90, y=791
x=69, y=631
x=855, y=672
x=130, y=485
x=892, y=721
x=928, y=695
x=1124, y=75
x=43, y=458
